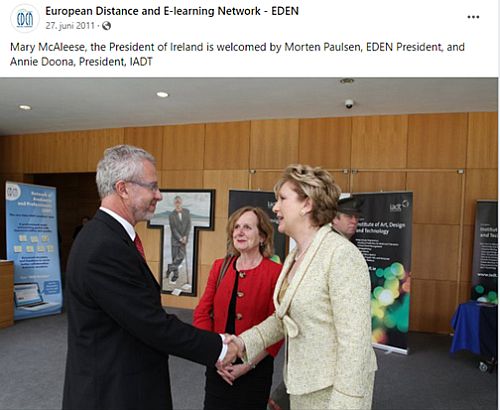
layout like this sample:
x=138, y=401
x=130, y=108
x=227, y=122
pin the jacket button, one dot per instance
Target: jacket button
x=240, y=294
x=242, y=275
x=239, y=316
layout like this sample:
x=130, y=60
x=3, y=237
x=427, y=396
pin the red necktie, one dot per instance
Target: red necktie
x=138, y=245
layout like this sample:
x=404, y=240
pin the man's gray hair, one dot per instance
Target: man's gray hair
x=120, y=163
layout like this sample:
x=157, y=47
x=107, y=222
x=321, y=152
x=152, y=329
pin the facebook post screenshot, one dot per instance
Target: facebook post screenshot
x=220, y=39
x=249, y=205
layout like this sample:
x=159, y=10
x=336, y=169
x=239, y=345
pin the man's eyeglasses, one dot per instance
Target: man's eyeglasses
x=152, y=186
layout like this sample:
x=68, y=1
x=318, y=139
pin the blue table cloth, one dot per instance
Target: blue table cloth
x=476, y=329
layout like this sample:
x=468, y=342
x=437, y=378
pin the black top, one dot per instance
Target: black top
x=231, y=316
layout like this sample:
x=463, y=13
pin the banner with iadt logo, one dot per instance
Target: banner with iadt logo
x=485, y=256
x=384, y=237
x=32, y=244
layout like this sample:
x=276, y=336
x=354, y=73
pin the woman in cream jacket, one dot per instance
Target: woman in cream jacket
x=322, y=301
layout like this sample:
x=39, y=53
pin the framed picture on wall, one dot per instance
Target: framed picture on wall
x=181, y=215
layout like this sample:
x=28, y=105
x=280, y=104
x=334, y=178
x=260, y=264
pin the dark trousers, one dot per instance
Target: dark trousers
x=178, y=254
x=248, y=392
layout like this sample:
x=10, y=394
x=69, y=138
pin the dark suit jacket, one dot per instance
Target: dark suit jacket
x=179, y=228
x=119, y=336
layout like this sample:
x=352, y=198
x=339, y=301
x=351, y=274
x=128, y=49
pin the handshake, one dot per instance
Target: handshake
x=226, y=367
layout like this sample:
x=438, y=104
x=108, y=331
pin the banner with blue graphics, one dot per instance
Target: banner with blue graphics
x=32, y=244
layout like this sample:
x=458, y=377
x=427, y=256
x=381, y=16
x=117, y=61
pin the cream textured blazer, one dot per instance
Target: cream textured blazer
x=325, y=317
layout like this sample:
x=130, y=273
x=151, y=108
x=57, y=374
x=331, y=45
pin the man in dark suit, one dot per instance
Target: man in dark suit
x=119, y=336
x=180, y=225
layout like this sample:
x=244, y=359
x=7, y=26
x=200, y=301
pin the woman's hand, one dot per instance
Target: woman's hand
x=232, y=372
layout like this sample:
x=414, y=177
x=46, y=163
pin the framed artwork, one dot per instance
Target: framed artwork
x=181, y=215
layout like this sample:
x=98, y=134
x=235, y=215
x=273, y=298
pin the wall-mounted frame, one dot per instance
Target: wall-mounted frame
x=181, y=215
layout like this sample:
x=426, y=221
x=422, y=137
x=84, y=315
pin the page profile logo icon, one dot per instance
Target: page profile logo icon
x=25, y=18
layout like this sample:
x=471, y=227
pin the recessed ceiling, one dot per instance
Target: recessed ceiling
x=64, y=104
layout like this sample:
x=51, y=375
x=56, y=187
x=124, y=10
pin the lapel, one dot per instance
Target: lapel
x=117, y=228
x=185, y=219
x=282, y=309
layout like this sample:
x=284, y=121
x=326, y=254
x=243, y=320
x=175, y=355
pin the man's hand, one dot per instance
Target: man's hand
x=238, y=340
x=235, y=348
x=231, y=354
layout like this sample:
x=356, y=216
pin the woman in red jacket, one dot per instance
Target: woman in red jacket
x=242, y=299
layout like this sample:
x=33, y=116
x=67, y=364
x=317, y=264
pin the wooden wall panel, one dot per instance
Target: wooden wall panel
x=71, y=152
x=181, y=302
x=274, y=144
x=151, y=241
x=432, y=304
x=482, y=142
x=436, y=196
x=183, y=147
x=155, y=269
x=227, y=145
x=222, y=182
x=203, y=272
x=11, y=154
x=213, y=243
x=4, y=178
x=67, y=152
x=435, y=252
x=464, y=292
x=98, y=141
x=39, y=153
x=467, y=252
x=148, y=138
x=6, y=292
x=437, y=140
x=366, y=181
x=325, y=142
x=187, y=179
x=264, y=180
x=341, y=179
x=379, y=142
x=480, y=184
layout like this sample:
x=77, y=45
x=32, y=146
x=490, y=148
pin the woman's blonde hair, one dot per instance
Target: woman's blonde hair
x=316, y=184
x=264, y=226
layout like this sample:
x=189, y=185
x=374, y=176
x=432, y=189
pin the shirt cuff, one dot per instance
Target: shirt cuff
x=224, y=348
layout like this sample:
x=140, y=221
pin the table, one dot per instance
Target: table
x=476, y=330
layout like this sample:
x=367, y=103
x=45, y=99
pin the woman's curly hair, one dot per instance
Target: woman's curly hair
x=316, y=184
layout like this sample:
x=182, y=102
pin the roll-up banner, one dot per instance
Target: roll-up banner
x=266, y=201
x=485, y=256
x=33, y=246
x=384, y=237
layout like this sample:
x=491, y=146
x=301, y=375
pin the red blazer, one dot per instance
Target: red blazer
x=253, y=304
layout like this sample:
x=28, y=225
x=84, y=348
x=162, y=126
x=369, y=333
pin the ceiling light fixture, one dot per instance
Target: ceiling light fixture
x=162, y=94
x=25, y=107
